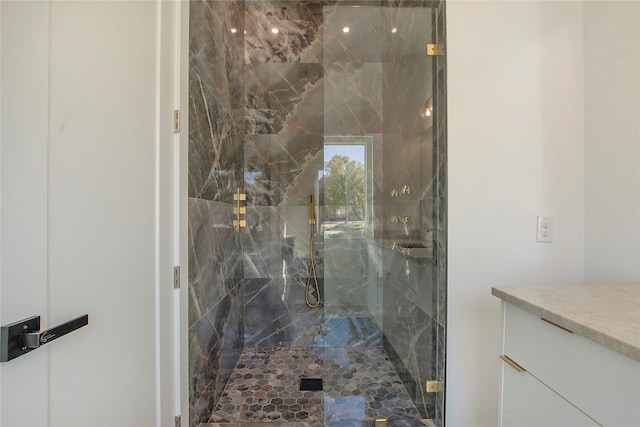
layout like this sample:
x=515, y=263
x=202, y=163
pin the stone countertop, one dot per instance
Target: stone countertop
x=606, y=314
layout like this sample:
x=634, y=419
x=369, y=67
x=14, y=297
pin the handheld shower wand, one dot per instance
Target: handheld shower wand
x=312, y=212
x=312, y=262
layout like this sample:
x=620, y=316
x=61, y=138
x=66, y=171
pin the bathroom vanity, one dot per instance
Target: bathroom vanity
x=571, y=356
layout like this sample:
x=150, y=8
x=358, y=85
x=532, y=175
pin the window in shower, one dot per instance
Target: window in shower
x=347, y=185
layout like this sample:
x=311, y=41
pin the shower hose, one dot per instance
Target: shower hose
x=312, y=263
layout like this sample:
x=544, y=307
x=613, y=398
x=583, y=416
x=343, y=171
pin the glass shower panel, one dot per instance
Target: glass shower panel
x=380, y=212
x=331, y=313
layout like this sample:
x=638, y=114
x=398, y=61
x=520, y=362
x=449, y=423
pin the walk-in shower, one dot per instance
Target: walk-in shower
x=339, y=103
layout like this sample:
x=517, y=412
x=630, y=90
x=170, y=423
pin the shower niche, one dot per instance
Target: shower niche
x=336, y=103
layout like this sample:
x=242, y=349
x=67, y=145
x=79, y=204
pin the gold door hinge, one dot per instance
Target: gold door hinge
x=435, y=386
x=434, y=49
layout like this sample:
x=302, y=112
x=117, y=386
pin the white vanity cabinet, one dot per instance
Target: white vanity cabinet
x=527, y=402
x=554, y=377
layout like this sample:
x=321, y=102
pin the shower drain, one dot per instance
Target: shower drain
x=310, y=384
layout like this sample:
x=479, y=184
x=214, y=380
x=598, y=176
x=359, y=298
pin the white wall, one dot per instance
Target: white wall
x=516, y=130
x=612, y=141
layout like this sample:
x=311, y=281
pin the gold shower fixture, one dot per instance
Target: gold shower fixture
x=312, y=278
x=239, y=210
x=427, y=110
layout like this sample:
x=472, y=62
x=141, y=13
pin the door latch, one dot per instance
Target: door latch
x=25, y=335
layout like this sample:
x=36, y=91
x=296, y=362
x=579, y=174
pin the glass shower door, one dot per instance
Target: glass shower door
x=383, y=214
x=339, y=103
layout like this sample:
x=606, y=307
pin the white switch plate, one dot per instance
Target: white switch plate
x=544, y=229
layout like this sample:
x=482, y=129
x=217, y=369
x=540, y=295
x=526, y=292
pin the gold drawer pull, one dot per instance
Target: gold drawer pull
x=513, y=364
x=556, y=325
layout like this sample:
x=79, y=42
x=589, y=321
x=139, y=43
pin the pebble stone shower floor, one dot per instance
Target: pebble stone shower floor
x=360, y=385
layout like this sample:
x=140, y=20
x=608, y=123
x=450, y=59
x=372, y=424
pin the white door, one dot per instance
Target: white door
x=88, y=210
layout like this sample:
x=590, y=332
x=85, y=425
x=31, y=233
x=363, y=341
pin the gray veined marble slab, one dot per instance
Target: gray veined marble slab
x=298, y=39
x=606, y=314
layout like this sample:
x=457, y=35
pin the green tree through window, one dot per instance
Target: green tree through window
x=344, y=191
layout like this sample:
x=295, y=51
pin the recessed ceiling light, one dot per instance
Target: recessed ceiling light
x=233, y=31
x=274, y=30
x=345, y=30
x=394, y=30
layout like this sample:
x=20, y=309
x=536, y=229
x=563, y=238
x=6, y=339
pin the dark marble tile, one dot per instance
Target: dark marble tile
x=428, y=219
x=351, y=271
x=298, y=36
x=216, y=93
x=276, y=243
x=440, y=372
x=283, y=98
x=349, y=332
x=264, y=387
x=215, y=265
x=353, y=98
x=346, y=256
x=413, y=278
x=276, y=314
x=282, y=169
x=265, y=424
x=404, y=103
x=263, y=243
x=406, y=31
x=412, y=335
x=363, y=41
x=215, y=344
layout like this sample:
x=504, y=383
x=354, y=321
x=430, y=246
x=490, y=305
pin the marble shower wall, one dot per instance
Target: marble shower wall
x=216, y=130
x=216, y=306
x=283, y=159
x=216, y=107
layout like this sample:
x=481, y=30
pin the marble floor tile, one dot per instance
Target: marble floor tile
x=360, y=385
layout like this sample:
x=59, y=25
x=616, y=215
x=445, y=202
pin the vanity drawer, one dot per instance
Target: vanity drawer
x=527, y=402
x=599, y=381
